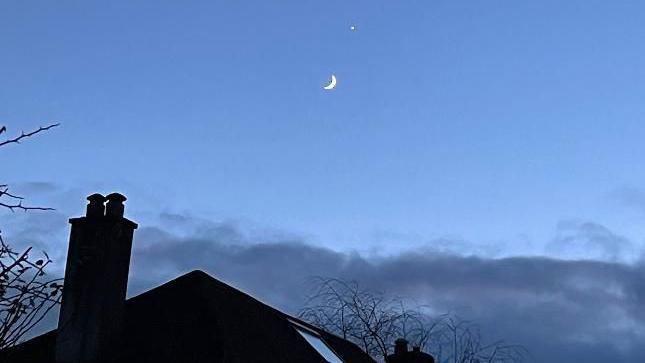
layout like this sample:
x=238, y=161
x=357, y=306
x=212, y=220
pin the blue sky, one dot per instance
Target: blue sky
x=482, y=120
x=493, y=128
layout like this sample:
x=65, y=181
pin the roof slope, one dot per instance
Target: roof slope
x=196, y=318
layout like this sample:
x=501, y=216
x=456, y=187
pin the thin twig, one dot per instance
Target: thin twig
x=16, y=140
x=11, y=207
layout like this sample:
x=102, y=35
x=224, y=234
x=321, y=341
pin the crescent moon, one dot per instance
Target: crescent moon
x=332, y=83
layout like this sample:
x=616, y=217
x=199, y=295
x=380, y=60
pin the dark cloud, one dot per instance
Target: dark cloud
x=561, y=310
x=36, y=188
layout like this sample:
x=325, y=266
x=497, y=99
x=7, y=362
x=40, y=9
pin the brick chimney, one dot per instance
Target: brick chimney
x=96, y=278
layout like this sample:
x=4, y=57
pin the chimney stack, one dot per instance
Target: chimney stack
x=400, y=346
x=96, y=277
x=403, y=355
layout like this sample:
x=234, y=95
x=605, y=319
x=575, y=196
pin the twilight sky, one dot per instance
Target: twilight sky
x=502, y=137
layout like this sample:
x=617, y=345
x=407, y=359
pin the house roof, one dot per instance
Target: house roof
x=196, y=318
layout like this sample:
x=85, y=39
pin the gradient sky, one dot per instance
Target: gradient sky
x=493, y=128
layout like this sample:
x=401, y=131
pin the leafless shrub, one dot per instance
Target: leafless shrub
x=374, y=321
x=26, y=294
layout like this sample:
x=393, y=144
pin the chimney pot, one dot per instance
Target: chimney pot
x=115, y=206
x=400, y=346
x=96, y=207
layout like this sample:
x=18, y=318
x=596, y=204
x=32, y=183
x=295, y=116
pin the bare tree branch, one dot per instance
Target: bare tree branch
x=374, y=321
x=26, y=295
x=13, y=207
x=17, y=139
x=4, y=190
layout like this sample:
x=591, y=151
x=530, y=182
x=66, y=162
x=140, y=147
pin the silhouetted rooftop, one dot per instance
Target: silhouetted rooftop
x=196, y=318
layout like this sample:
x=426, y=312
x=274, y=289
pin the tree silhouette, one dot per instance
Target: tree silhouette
x=374, y=321
x=26, y=294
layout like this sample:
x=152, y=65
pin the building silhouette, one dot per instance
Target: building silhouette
x=193, y=318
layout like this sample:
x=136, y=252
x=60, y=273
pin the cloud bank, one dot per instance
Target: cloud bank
x=562, y=310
